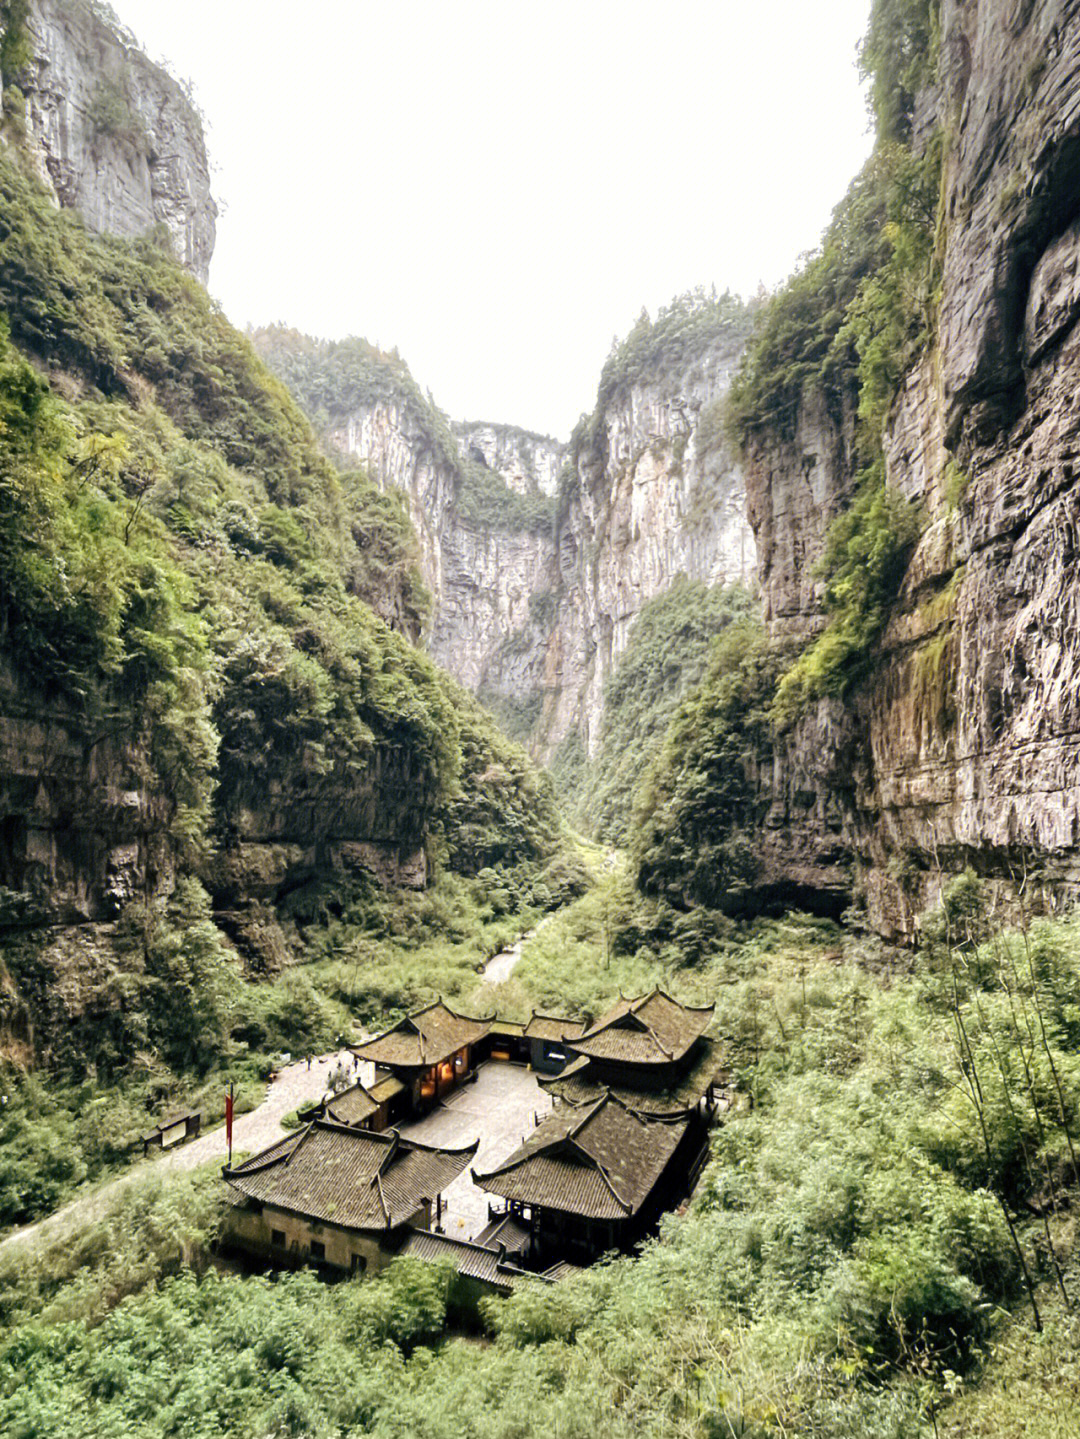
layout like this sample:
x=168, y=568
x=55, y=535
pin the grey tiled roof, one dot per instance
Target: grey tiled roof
x=563, y=1269
x=350, y=1177
x=386, y=1086
x=581, y=1083
x=427, y=1037
x=351, y=1106
x=505, y=1230
x=655, y=1029
x=552, y=1027
x=599, y=1162
x=473, y=1261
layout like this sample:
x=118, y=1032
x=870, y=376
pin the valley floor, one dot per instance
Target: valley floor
x=844, y=1271
x=292, y=1087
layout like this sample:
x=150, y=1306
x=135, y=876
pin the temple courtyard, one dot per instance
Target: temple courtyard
x=501, y=1108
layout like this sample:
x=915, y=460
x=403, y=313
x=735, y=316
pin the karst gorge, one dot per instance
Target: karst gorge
x=607, y=901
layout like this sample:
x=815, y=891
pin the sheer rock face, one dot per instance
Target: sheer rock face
x=964, y=748
x=657, y=494
x=81, y=831
x=114, y=135
x=482, y=577
x=537, y=618
x=527, y=462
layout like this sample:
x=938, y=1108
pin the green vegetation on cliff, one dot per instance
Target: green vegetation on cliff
x=844, y=331
x=866, y=553
x=696, y=802
x=658, y=349
x=173, y=514
x=334, y=380
x=665, y=656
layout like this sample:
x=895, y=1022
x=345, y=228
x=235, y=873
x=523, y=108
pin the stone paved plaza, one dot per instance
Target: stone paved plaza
x=501, y=1108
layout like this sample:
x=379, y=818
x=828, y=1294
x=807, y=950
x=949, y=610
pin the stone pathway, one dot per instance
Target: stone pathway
x=294, y=1086
x=501, y=966
x=501, y=1108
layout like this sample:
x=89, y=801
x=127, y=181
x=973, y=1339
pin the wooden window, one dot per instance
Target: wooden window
x=277, y=1238
x=318, y=1249
x=359, y=1264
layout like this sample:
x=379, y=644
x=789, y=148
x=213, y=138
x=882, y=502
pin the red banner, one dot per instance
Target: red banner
x=228, y=1119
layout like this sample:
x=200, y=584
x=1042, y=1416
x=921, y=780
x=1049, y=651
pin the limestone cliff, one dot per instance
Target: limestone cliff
x=534, y=601
x=964, y=746
x=654, y=493
x=484, y=572
x=112, y=134
x=528, y=462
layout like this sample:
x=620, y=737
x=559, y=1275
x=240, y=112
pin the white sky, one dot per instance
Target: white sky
x=498, y=187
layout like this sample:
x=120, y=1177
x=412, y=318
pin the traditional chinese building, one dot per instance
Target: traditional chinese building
x=338, y=1195
x=651, y=1053
x=482, y=1269
x=547, y=1036
x=593, y=1177
x=429, y=1053
x=373, y=1107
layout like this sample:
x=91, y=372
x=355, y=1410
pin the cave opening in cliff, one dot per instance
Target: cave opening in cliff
x=774, y=900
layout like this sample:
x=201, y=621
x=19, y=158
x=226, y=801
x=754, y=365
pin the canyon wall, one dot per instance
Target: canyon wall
x=533, y=610
x=113, y=135
x=655, y=492
x=964, y=747
x=528, y=462
x=484, y=576
x=83, y=827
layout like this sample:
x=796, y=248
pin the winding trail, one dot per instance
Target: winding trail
x=501, y=966
x=293, y=1086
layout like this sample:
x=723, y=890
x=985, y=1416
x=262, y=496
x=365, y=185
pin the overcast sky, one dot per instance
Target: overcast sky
x=498, y=188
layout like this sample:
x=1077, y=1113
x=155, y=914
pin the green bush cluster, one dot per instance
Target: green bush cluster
x=665, y=657
x=695, y=807
x=801, y=341
x=111, y=114
x=502, y=810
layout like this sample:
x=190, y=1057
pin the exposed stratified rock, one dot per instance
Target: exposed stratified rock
x=656, y=494
x=113, y=134
x=964, y=748
x=528, y=462
x=533, y=616
x=484, y=577
x=81, y=830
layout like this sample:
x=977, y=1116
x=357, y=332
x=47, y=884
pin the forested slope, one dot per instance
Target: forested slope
x=217, y=730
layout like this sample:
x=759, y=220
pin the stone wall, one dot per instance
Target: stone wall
x=250, y=1229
